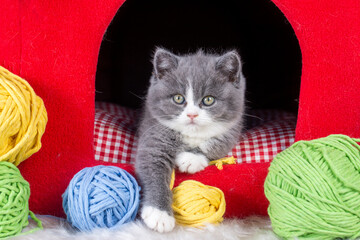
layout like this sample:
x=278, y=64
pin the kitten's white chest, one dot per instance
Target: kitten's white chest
x=198, y=142
x=194, y=142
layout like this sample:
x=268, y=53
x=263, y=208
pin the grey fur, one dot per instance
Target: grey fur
x=216, y=75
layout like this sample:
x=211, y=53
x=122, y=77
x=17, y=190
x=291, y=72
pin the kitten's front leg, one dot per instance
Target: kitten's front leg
x=156, y=210
x=191, y=162
x=154, y=176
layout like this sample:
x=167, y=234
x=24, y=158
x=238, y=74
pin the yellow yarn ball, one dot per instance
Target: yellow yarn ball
x=195, y=204
x=23, y=118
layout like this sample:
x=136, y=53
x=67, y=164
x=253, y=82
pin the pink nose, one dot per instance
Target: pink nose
x=192, y=115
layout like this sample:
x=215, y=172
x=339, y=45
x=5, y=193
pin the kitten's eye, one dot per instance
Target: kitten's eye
x=179, y=99
x=208, y=100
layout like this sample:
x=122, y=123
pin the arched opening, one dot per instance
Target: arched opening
x=261, y=33
x=257, y=29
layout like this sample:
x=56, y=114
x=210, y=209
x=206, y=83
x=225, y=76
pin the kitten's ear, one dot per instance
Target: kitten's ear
x=229, y=65
x=164, y=62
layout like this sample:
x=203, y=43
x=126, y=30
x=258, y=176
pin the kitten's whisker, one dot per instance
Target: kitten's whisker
x=141, y=98
x=249, y=115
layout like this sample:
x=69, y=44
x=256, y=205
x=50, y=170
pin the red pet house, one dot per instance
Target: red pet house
x=55, y=45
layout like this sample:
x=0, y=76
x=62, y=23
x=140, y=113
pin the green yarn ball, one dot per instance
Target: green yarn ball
x=14, y=201
x=314, y=189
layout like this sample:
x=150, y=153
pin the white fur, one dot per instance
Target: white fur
x=191, y=163
x=190, y=108
x=254, y=228
x=157, y=220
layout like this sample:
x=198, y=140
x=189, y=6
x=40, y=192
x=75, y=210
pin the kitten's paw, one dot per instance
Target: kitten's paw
x=157, y=220
x=191, y=163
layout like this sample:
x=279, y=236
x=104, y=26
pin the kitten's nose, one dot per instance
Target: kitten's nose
x=192, y=115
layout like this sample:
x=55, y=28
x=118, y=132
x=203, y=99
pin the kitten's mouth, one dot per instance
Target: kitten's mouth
x=192, y=123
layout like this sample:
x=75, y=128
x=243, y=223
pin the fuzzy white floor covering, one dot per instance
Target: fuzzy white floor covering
x=253, y=228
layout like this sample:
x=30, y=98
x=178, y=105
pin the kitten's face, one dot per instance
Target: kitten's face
x=197, y=95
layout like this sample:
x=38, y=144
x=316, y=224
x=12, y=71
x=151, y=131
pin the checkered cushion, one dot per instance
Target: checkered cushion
x=268, y=132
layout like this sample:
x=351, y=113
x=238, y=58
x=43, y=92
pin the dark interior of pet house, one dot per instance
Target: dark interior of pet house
x=256, y=29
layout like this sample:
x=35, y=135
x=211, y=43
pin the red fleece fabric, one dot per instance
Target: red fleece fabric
x=329, y=36
x=55, y=45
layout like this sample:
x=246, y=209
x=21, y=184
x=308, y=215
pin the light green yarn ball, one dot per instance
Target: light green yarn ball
x=314, y=189
x=14, y=197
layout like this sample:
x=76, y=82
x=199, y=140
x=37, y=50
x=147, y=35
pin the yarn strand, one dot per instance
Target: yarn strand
x=220, y=162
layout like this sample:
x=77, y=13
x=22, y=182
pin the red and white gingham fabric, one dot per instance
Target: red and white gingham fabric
x=268, y=133
x=114, y=133
x=271, y=132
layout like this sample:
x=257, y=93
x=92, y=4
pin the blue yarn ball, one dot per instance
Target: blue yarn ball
x=101, y=197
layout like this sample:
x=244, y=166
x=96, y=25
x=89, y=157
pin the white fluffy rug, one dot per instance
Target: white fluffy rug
x=256, y=228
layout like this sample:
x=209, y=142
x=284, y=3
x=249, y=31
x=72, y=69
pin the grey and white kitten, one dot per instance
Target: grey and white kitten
x=193, y=113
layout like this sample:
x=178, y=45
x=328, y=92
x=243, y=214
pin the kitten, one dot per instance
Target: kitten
x=193, y=113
